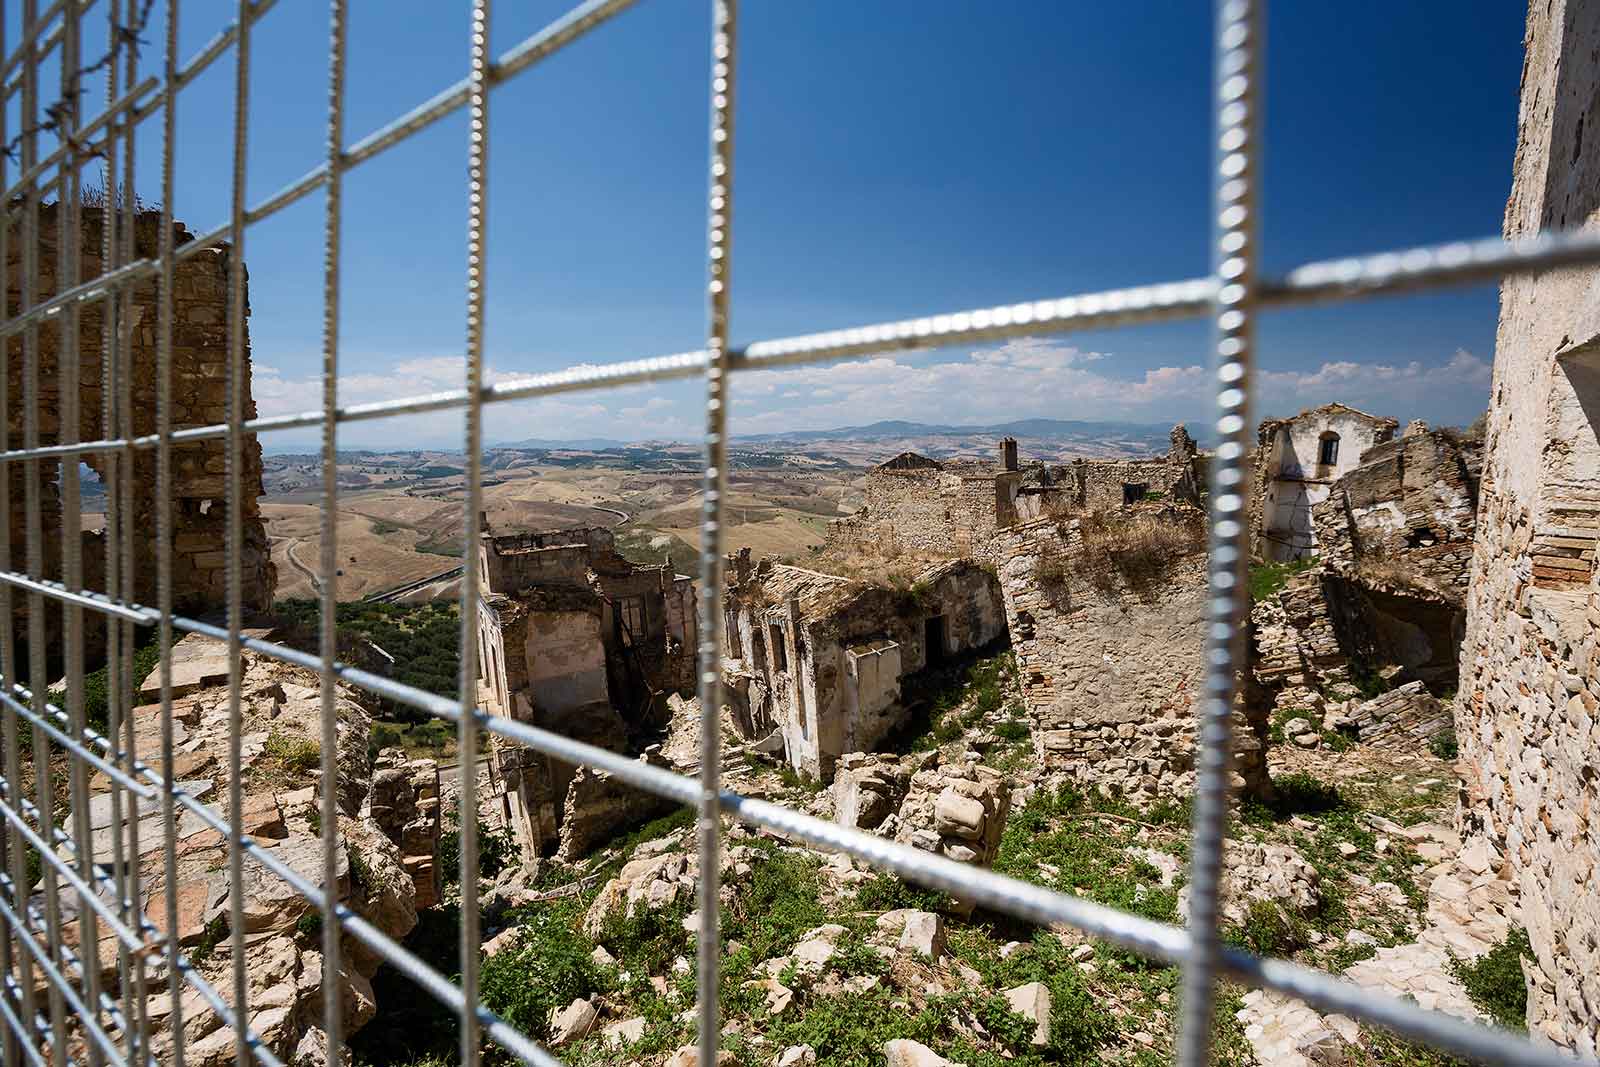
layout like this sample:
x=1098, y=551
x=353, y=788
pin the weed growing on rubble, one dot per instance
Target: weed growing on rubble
x=1495, y=982
x=292, y=755
x=546, y=966
x=777, y=904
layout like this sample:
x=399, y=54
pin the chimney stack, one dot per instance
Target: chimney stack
x=1008, y=453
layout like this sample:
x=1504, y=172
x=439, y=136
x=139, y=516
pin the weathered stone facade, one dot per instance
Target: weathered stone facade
x=1410, y=508
x=1530, y=667
x=574, y=638
x=920, y=505
x=821, y=658
x=199, y=398
x=1296, y=462
x=1112, y=674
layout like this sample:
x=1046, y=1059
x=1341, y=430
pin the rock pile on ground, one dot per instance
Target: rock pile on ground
x=280, y=733
x=1406, y=717
x=1267, y=873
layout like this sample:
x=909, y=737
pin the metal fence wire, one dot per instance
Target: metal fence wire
x=114, y=1025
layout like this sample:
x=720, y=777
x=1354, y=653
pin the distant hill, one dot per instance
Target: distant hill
x=1042, y=429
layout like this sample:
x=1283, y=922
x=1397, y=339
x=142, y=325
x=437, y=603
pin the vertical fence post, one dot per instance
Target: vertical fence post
x=724, y=26
x=331, y=934
x=163, y=510
x=467, y=746
x=234, y=496
x=1238, y=46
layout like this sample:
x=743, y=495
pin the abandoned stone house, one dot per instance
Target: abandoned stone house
x=822, y=661
x=575, y=638
x=1529, y=696
x=953, y=508
x=1296, y=462
x=199, y=398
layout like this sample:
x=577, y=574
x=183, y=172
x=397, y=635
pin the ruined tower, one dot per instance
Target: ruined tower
x=199, y=398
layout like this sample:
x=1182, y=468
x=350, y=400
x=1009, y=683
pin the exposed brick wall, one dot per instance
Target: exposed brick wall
x=199, y=395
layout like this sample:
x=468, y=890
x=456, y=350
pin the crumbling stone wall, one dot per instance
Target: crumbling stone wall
x=199, y=396
x=1112, y=675
x=920, y=505
x=821, y=658
x=1530, y=667
x=1410, y=507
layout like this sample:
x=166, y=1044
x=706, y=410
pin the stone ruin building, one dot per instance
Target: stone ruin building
x=1297, y=460
x=951, y=508
x=574, y=638
x=1107, y=623
x=1388, y=592
x=1529, y=696
x=821, y=660
x=199, y=398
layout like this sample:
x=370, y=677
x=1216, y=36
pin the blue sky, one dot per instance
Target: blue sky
x=894, y=158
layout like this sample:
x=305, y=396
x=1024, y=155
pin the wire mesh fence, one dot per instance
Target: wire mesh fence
x=56, y=1007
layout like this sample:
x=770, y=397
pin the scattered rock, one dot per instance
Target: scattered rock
x=1033, y=1002
x=796, y=1056
x=1274, y=873
x=904, y=1053
x=572, y=1023
x=624, y=1033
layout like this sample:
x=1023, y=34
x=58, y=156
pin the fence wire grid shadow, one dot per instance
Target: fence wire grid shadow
x=117, y=1028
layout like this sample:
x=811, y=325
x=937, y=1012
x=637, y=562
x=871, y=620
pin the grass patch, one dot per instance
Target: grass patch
x=1138, y=551
x=1268, y=579
x=292, y=755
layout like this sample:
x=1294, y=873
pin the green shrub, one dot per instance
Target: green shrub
x=497, y=850
x=546, y=966
x=1269, y=930
x=651, y=938
x=97, y=686
x=1444, y=745
x=1495, y=982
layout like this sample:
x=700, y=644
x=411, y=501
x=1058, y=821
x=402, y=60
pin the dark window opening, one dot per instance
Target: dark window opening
x=780, y=658
x=934, y=637
x=1133, y=492
x=1421, y=537
x=1328, y=449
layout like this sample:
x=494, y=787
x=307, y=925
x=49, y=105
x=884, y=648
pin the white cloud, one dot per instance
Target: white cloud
x=1023, y=378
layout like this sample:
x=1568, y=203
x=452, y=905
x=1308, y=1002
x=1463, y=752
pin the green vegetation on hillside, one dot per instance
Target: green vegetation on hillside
x=424, y=640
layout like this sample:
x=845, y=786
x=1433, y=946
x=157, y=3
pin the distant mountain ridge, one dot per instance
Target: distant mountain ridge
x=1049, y=429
